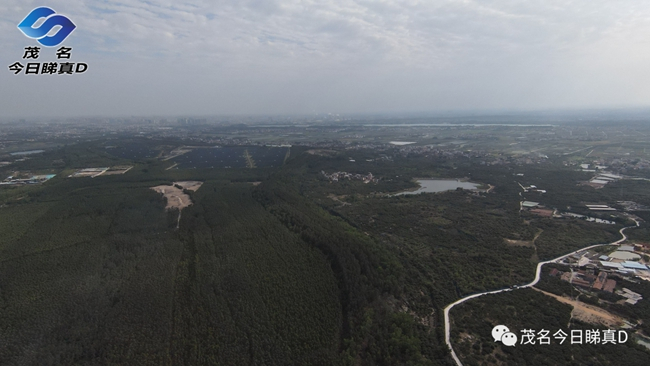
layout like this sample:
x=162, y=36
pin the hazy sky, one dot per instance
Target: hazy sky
x=263, y=56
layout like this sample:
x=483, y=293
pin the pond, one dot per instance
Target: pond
x=440, y=185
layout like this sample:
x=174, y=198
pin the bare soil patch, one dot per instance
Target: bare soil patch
x=338, y=199
x=524, y=243
x=588, y=313
x=189, y=185
x=520, y=243
x=118, y=170
x=175, y=196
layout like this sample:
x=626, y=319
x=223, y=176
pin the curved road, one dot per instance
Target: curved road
x=537, y=276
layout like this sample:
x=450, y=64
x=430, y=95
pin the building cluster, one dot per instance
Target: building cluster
x=337, y=176
x=35, y=179
x=343, y=145
x=587, y=218
x=201, y=138
x=621, y=165
x=515, y=160
x=600, y=208
x=627, y=165
x=483, y=157
x=537, y=209
x=594, y=271
x=631, y=297
x=600, y=180
x=533, y=188
x=587, y=279
x=632, y=206
x=436, y=151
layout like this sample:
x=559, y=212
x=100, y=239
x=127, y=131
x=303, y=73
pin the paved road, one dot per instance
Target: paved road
x=537, y=277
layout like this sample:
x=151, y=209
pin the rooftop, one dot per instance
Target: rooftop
x=635, y=265
x=611, y=264
x=624, y=255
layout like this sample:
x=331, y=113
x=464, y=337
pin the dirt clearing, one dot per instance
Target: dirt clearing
x=175, y=196
x=588, y=313
x=189, y=185
x=524, y=243
x=520, y=243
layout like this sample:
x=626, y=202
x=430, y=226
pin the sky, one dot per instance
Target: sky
x=303, y=57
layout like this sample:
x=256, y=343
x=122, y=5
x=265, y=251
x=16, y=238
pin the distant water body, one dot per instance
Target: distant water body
x=26, y=152
x=440, y=185
x=452, y=125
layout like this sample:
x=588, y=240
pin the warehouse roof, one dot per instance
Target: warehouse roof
x=611, y=264
x=635, y=265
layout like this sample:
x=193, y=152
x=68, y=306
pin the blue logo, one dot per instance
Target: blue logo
x=51, y=21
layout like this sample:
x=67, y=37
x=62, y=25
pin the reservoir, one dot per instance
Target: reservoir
x=20, y=153
x=440, y=185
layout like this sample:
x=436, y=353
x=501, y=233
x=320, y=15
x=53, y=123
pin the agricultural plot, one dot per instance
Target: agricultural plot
x=95, y=172
x=232, y=157
x=116, y=170
x=88, y=172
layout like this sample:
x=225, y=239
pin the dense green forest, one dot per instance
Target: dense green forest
x=93, y=271
x=291, y=270
x=248, y=290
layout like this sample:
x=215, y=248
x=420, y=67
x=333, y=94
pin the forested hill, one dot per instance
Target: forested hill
x=93, y=271
x=268, y=266
x=370, y=279
x=247, y=290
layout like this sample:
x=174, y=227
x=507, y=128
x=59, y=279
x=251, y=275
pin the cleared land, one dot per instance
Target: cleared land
x=175, y=196
x=116, y=170
x=89, y=172
x=189, y=185
x=588, y=313
x=524, y=243
x=520, y=243
x=96, y=172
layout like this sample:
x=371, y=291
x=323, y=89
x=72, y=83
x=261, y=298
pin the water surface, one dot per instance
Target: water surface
x=440, y=185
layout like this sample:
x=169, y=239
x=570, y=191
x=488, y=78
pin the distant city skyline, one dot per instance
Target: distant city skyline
x=452, y=116
x=210, y=58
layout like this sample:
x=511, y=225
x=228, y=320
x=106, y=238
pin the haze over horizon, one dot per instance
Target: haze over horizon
x=305, y=57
